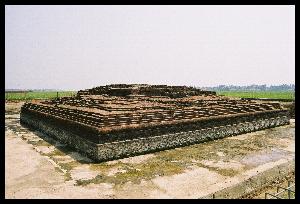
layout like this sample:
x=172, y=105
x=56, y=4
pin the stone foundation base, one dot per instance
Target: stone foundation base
x=121, y=149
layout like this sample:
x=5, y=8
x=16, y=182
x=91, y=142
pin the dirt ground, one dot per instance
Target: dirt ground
x=37, y=166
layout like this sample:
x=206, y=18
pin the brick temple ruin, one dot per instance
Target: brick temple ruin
x=116, y=121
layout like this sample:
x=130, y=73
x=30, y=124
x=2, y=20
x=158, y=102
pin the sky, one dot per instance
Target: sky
x=80, y=47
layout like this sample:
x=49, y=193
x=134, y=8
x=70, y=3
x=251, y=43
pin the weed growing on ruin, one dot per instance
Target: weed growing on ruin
x=69, y=166
x=39, y=143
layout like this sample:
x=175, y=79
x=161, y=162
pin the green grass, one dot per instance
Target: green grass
x=38, y=95
x=238, y=94
x=258, y=94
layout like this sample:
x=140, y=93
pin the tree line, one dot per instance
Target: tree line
x=253, y=87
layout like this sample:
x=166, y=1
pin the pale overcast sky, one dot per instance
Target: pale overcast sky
x=79, y=47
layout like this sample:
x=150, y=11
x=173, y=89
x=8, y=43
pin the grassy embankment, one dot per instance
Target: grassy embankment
x=259, y=94
x=38, y=95
x=239, y=94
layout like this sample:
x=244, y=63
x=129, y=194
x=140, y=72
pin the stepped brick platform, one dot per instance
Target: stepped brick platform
x=115, y=121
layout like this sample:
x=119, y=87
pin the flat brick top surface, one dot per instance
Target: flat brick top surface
x=125, y=106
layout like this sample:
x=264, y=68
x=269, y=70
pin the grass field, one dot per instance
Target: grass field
x=259, y=94
x=37, y=95
x=238, y=94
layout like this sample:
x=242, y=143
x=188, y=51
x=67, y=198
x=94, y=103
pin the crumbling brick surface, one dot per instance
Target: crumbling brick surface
x=132, y=115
